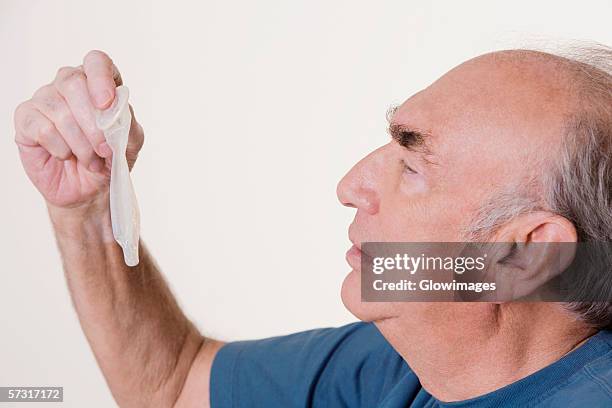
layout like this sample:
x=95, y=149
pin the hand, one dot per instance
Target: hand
x=63, y=152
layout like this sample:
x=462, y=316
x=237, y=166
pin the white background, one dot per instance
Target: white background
x=253, y=110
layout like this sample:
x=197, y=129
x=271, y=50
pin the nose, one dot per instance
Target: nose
x=358, y=188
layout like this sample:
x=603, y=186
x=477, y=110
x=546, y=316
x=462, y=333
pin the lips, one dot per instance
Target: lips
x=355, y=255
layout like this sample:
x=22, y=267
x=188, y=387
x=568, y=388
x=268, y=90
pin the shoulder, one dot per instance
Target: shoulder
x=352, y=365
x=591, y=385
x=351, y=342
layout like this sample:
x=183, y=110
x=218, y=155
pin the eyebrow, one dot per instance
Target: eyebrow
x=409, y=137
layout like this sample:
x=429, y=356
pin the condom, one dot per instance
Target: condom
x=125, y=216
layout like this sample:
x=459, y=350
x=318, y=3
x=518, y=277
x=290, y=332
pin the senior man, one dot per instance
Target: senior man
x=513, y=146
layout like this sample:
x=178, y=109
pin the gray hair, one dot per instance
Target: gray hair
x=578, y=184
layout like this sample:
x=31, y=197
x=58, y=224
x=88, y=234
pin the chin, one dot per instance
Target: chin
x=365, y=311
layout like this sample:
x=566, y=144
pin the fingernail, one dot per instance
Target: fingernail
x=104, y=150
x=102, y=98
x=96, y=166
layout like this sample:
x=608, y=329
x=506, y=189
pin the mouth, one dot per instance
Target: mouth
x=355, y=255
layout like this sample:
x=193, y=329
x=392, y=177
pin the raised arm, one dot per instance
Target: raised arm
x=150, y=353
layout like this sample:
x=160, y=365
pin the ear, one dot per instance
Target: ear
x=540, y=245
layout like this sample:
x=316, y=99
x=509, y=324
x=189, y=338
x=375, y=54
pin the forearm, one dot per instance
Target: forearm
x=143, y=343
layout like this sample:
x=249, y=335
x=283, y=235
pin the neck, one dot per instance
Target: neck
x=463, y=350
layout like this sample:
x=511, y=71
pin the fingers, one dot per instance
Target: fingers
x=51, y=104
x=60, y=117
x=71, y=84
x=102, y=78
x=34, y=129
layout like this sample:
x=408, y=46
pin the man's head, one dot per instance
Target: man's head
x=513, y=146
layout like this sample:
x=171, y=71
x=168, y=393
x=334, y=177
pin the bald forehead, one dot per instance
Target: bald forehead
x=525, y=82
x=498, y=117
x=517, y=94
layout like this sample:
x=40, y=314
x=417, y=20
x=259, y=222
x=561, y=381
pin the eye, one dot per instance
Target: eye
x=407, y=168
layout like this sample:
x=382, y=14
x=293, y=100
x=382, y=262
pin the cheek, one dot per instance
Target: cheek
x=413, y=185
x=421, y=218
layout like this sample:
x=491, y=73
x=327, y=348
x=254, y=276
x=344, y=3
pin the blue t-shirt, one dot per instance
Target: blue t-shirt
x=354, y=366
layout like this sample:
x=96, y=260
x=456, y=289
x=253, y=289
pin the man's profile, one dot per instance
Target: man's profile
x=512, y=146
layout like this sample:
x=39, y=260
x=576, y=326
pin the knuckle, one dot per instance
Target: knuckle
x=47, y=100
x=65, y=119
x=75, y=81
x=22, y=117
x=65, y=154
x=64, y=71
x=84, y=155
x=43, y=91
x=45, y=132
x=21, y=110
x=72, y=80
